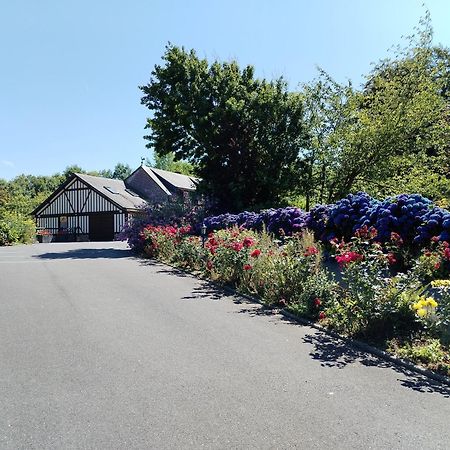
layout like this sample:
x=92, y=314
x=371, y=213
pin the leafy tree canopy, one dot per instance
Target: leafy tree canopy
x=242, y=134
x=369, y=139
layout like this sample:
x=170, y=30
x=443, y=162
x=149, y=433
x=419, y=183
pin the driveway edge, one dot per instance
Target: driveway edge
x=303, y=321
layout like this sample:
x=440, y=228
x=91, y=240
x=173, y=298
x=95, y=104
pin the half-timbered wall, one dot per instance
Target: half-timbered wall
x=80, y=224
x=77, y=198
x=77, y=202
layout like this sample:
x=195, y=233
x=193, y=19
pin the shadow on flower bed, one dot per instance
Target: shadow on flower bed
x=335, y=353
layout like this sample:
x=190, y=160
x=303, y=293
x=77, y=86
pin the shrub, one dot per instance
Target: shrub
x=317, y=221
x=372, y=303
x=161, y=241
x=229, y=253
x=15, y=228
x=402, y=214
x=345, y=216
x=287, y=220
x=190, y=254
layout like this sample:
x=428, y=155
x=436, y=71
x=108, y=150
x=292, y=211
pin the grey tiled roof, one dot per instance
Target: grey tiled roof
x=178, y=180
x=150, y=172
x=123, y=196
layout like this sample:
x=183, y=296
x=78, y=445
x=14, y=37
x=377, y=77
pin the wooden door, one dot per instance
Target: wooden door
x=101, y=227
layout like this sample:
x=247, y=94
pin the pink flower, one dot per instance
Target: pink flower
x=237, y=246
x=255, y=253
x=435, y=239
x=209, y=264
x=247, y=267
x=310, y=251
x=282, y=302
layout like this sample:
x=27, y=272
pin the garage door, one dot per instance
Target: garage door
x=101, y=227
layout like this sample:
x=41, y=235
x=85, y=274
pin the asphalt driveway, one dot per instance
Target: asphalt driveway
x=102, y=350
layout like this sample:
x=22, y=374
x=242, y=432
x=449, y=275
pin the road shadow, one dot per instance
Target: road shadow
x=206, y=291
x=87, y=253
x=335, y=353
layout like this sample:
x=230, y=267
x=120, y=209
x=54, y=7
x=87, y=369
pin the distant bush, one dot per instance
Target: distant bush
x=15, y=228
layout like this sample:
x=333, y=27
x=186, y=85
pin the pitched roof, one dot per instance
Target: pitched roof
x=114, y=190
x=177, y=180
x=154, y=177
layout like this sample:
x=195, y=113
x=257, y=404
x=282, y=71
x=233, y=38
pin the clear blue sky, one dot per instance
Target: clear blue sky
x=70, y=69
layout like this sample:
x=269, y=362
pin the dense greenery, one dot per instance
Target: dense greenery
x=254, y=143
x=22, y=194
x=242, y=134
x=389, y=137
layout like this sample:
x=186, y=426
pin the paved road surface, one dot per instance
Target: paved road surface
x=100, y=350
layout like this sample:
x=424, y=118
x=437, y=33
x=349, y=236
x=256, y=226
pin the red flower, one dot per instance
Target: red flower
x=247, y=267
x=435, y=239
x=237, y=246
x=427, y=253
x=255, y=253
x=310, y=251
x=209, y=264
x=445, y=244
x=317, y=302
x=391, y=258
x=322, y=315
x=348, y=257
x=446, y=253
x=437, y=265
x=248, y=242
x=366, y=233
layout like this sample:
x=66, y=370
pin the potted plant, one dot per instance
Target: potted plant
x=44, y=236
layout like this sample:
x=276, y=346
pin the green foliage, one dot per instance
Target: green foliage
x=15, y=228
x=189, y=254
x=242, y=134
x=390, y=137
x=167, y=162
x=429, y=352
x=121, y=171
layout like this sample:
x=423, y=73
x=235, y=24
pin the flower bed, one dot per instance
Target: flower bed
x=406, y=312
x=369, y=269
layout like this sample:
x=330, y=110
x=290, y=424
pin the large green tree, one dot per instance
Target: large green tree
x=242, y=134
x=380, y=138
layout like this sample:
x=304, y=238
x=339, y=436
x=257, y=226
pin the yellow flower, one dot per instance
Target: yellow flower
x=440, y=283
x=421, y=312
x=431, y=302
x=416, y=306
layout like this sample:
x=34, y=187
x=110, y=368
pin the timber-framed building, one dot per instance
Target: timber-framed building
x=93, y=208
